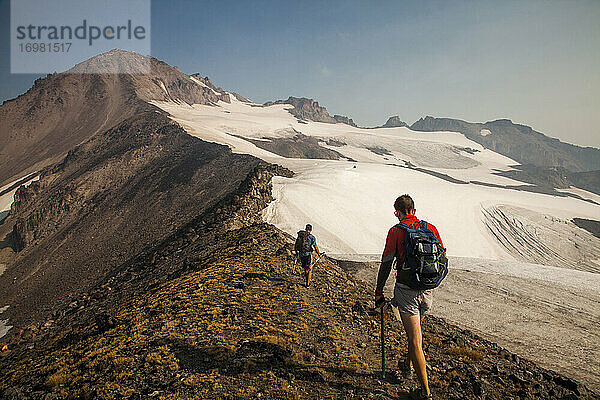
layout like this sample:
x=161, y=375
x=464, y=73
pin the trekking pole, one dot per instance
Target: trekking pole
x=316, y=261
x=295, y=263
x=382, y=344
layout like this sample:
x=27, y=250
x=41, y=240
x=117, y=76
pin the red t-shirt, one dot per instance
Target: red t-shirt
x=394, y=244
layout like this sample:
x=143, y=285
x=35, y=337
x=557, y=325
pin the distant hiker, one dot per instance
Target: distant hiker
x=305, y=243
x=421, y=264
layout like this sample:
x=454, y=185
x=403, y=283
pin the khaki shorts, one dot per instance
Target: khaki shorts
x=410, y=301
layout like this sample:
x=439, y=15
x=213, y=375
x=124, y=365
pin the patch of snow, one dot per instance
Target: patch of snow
x=4, y=328
x=7, y=199
x=162, y=86
x=485, y=132
x=199, y=82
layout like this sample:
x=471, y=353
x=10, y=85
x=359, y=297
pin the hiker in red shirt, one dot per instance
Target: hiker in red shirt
x=412, y=304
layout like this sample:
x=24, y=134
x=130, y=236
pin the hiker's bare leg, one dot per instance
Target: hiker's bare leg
x=412, y=326
x=407, y=360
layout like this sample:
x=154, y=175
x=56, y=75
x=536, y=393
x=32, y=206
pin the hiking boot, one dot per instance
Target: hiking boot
x=418, y=394
x=404, y=369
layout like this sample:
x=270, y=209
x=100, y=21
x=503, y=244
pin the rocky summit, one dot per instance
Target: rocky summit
x=308, y=109
x=394, y=122
x=62, y=110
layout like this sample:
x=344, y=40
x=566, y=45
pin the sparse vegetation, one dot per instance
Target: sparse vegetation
x=216, y=312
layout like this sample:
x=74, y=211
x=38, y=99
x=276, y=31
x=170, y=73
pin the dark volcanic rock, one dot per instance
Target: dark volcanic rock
x=589, y=225
x=299, y=146
x=306, y=109
x=344, y=120
x=555, y=177
x=519, y=142
x=550, y=177
x=588, y=180
x=105, y=321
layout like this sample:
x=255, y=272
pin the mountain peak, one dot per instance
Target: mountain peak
x=394, y=122
x=115, y=61
x=309, y=109
x=61, y=110
x=306, y=109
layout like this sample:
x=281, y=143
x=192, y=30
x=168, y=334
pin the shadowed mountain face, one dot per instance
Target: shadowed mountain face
x=62, y=110
x=555, y=177
x=298, y=146
x=588, y=180
x=519, y=142
x=116, y=194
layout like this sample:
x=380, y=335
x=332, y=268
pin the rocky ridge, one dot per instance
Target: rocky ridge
x=519, y=142
x=344, y=120
x=297, y=146
x=308, y=109
x=555, y=177
x=217, y=310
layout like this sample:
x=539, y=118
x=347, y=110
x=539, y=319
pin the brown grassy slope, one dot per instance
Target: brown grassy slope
x=231, y=319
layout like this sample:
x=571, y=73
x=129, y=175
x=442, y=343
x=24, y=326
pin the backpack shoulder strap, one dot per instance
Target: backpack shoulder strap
x=404, y=226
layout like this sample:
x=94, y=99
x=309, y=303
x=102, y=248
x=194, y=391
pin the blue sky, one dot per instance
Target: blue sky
x=535, y=62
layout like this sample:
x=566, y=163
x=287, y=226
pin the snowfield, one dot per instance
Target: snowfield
x=350, y=204
x=522, y=274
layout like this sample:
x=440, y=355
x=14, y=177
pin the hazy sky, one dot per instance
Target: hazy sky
x=534, y=62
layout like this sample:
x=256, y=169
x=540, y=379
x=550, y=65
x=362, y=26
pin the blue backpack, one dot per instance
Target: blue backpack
x=424, y=257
